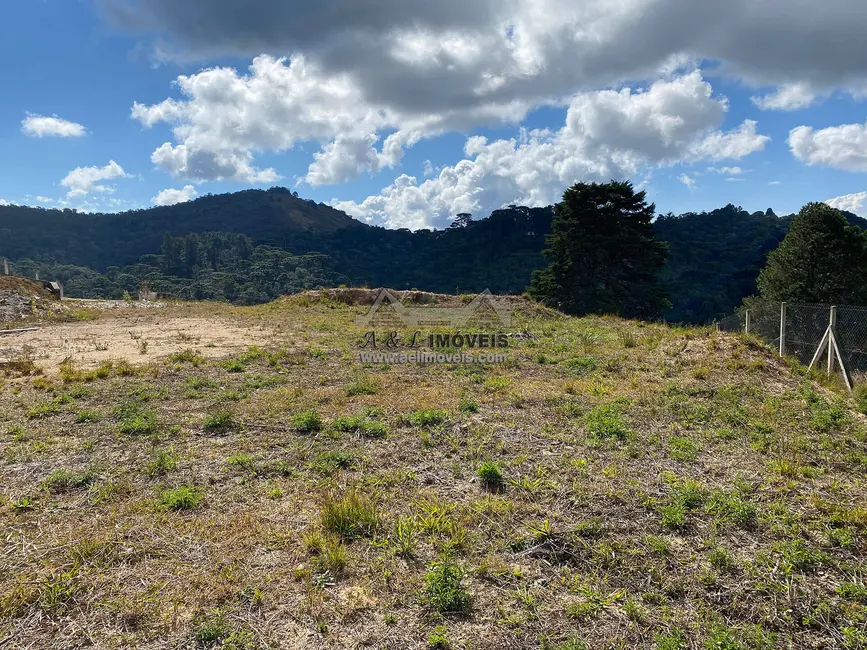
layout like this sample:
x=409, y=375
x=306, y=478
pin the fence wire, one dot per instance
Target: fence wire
x=805, y=327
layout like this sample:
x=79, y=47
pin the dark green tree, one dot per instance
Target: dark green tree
x=822, y=259
x=602, y=257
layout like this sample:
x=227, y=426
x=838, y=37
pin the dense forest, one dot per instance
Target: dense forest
x=251, y=246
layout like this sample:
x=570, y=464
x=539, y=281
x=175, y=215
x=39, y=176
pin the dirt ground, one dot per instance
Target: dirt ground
x=137, y=335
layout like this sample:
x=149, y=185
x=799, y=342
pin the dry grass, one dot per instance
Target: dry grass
x=615, y=485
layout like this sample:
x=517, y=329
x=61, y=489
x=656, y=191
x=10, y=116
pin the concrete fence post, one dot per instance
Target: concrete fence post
x=782, y=329
x=747, y=324
x=832, y=328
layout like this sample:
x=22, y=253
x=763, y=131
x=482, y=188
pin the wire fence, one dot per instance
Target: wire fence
x=804, y=329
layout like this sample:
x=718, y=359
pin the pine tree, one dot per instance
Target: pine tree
x=602, y=254
x=822, y=259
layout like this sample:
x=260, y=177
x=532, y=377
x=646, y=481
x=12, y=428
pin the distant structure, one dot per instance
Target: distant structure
x=146, y=294
x=56, y=288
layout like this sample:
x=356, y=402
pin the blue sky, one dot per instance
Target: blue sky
x=678, y=131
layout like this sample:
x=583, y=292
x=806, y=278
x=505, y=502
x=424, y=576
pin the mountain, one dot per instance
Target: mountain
x=254, y=245
x=276, y=217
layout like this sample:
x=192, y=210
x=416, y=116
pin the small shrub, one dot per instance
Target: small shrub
x=721, y=639
x=22, y=504
x=245, y=462
x=64, y=480
x=468, y=404
x=672, y=641
x=363, y=386
x=427, y=417
x=135, y=419
x=84, y=416
x=187, y=356
x=328, y=462
x=438, y=639
x=232, y=365
x=220, y=422
x=606, y=421
x=361, y=426
x=721, y=560
x=673, y=515
x=185, y=497
x=331, y=554
x=799, y=555
x=853, y=591
x=681, y=448
x=350, y=515
x=444, y=587
x=491, y=475
x=581, y=365
x=162, y=462
x=307, y=422
x=405, y=538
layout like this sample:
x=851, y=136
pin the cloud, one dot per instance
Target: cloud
x=851, y=203
x=83, y=180
x=789, y=97
x=607, y=134
x=687, y=180
x=172, y=196
x=39, y=126
x=428, y=169
x=841, y=147
x=44, y=199
x=4, y=202
x=416, y=56
x=726, y=171
x=364, y=82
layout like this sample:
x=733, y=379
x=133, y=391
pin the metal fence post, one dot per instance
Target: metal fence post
x=832, y=324
x=747, y=325
x=782, y=329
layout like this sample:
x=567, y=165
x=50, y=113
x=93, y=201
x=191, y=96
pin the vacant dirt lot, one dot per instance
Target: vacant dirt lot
x=137, y=335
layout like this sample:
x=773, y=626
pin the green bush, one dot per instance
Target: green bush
x=64, y=480
x=491, y=475
x=361, y=426
x=427, y=417
x=307, y=421
x=350, y=515
x=185, y=497
x=134, y=419
x=606, y=421
x=444, y=587
x=220, y=422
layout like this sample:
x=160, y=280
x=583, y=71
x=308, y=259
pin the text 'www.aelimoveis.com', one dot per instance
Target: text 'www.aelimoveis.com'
x=422, y=357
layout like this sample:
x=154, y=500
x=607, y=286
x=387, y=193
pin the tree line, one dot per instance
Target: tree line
x=255, y=245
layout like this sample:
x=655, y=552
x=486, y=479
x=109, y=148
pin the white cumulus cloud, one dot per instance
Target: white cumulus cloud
x=83, y=180
x=789, y=97
x=171, y=196
x=842, y=147
x=40, y=126
x=607, y=134
x=851, y=203
x=687, y=180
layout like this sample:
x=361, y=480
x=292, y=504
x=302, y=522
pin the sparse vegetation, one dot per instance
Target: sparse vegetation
x=645, y=486
x=444, y=584
x=184, y=497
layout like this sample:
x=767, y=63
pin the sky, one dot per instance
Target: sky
x=404, y=113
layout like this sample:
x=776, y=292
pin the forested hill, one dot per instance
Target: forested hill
x=275, y=216
x=254, y=245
